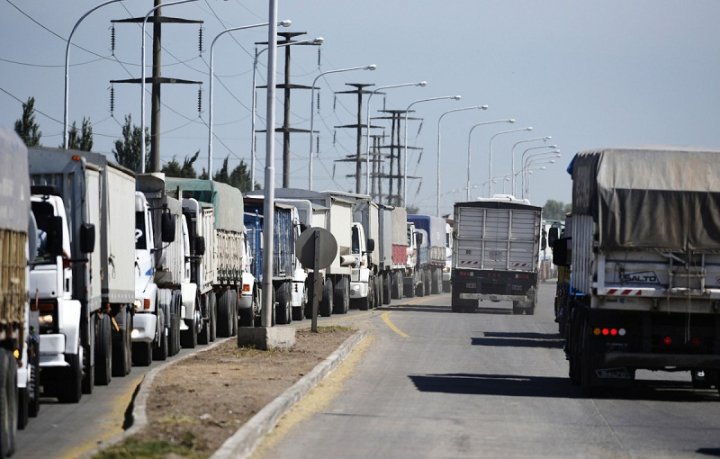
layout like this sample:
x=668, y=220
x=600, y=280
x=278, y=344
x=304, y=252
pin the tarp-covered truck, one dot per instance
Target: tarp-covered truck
x=645, y=269
x=495, y=253
x=431, y=251
x=392, y=248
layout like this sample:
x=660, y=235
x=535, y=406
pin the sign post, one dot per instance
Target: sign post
x=316, y=249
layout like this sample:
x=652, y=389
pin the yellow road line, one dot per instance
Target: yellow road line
x=386, y=318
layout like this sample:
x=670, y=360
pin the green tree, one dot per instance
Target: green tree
x=128, y=151
x=239, y=177
x=26, y=127
x=186, y=169
x=82, y=140
x=555, y=210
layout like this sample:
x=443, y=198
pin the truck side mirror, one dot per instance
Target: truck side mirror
x=370, y=245
x=167, y=227
x=55, y=236
x=543, y=240
x=87, y=238
x=199, y=246
x=560, y=252
x=418, y=239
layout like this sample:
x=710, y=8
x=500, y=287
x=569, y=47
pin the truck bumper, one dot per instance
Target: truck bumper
x=144, y=328
x=487, y=285
x=494, y=298
x=663, y=361
x=358, y=290
x=52, y=351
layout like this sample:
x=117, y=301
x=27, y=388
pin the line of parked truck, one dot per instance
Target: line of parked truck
x=88, y=291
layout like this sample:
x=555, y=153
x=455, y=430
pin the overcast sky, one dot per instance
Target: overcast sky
x=590, y=74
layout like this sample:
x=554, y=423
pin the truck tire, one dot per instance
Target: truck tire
x=396, y=286
x=427, y=281
x=174, y=335
x=246, y=317
x=386, y=288
x=23, y=404
x=189, y=337
x=34, y=379
x=341, y=296
x=377, y=299
x=459, y=305
x=69, y=387
x=224, y=314
x=446, y=286
x=142, y=354
x=327, y=303
x=436, y=281
x=234, y=298
x=161, y=348
x=212, y=329
x=103, y=351
x=8, y=402
x=122, y=344
x=283, y=308
x=203, y=336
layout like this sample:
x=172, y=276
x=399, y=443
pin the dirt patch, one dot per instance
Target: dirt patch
x=198, y=403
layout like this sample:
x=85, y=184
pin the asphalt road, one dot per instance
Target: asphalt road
x=438, y=384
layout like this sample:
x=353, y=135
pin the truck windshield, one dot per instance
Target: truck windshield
x=355, y=240
x=42, y=212
x=140, y=233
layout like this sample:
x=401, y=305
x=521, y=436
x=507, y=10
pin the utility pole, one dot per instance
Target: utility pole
x=358, y=126
x=156, y=80
x=286, y=41
x=396, y=147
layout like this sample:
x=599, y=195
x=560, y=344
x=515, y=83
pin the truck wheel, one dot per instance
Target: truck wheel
x=212, y=329
x=103, y=351
x=70, y=386
x=189, y=337
x=175, y=311
x=386, y=289
x=23, y=402
x=342, y=296
x=8, y=401
x=377, y=299
x=34, y=379
x=283, y=309
x=327, y=305
x=142, y=354
x=396, y=282
x=122, y=344
x=420, y=288
x=446, y=286
x=587, y=367
x=160, y=350
x=428, y=282
x=224, y=317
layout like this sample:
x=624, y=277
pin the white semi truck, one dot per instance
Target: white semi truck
x=162, y=271
x=84, y=290
x=495, y=253
x=214, y=213
x=644, y=289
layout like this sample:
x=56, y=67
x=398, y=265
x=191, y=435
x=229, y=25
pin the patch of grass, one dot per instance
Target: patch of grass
x=132, y=448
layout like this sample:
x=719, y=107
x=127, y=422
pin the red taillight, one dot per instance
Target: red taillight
x=605, y=331
x=246, y=288
x=613, y=332
x=146, y=303
x=667, y=341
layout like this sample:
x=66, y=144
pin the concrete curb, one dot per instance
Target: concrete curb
x=142, y=392
x=244, y=442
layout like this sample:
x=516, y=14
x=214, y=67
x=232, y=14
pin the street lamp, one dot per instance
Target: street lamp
x=67, y=71
x=405, y=146
x=367, y=123
x=312, y=111
x=512, y=154
x=467, y=183
x=142, y=80
x=526, y=191
x=316, y=41
x=541, y=147
x=490, y=185
x=534, y=157
x=437, y=189
x=285, y=23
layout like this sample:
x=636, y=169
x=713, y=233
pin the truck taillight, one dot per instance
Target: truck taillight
x=146, y=303
x=609, y=331
x=667, y=341
x=246, y=288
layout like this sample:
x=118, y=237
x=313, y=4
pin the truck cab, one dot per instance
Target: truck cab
x=145, y=324
x=360, y=273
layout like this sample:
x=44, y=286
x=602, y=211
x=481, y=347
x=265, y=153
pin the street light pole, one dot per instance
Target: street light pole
x=316, y=41
x=512, y=154
x=405, y=141
x=490, y=185
x=67, y=72
x=312, y=111
x=553, y=153
x=437, y=188
x=285, y=23
x=367, y=123
x=484, y=123
x=142, y=80
x=526, y=191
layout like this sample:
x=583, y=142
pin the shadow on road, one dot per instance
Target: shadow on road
x=416, y=308
x=542, y=340
x=709, y=451
x=555, y=387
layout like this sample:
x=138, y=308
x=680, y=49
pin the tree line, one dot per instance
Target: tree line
x=127, y=150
